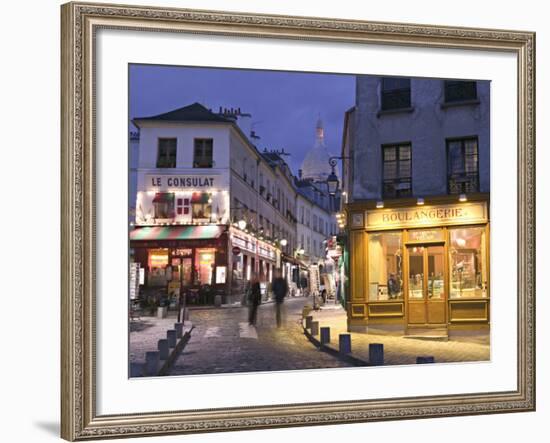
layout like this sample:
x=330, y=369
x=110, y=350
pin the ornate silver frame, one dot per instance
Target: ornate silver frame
x=79, y=22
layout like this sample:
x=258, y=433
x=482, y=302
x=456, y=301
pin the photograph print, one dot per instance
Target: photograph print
x=284, y=220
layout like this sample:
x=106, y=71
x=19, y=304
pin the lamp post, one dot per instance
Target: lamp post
x=332, y=180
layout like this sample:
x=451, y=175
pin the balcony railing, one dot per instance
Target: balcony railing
x=463, y=183
x=395, y=188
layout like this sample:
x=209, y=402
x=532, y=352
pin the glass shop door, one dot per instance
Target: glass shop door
x=426, y=285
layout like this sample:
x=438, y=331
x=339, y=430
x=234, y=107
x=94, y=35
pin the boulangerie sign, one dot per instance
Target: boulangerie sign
x=427, y=216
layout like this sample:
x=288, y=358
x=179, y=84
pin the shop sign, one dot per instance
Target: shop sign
x=221, y=272
x=266, y=252
x=426, y=235
x=417, y=217
x=236, y=250
x=181, y=182
x=243, y=244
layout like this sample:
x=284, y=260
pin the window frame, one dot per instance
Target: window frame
x=451, y=83
x=463, y=141
x=397, y=179
x=196, y=162
x=170, y=207
x=395, y=94
x=166, y=157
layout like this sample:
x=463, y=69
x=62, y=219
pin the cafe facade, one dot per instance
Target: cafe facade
x=199, y=229
x=416, y=267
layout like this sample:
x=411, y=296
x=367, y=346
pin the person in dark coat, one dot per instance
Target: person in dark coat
x=255, y=298
x=280, y=290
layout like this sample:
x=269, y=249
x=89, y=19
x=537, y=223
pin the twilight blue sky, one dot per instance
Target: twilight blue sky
x=284, y=105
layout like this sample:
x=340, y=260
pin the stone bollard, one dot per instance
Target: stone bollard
x=136, y=369
x=425, y=359
x=161, y=312
x=171, y=336
x=305, y=311
x=344, y=343
x=325, y=335
x=179, y=329
x=309, y=320
x=152, y=359
x=314, y=328
x=376, y=354
x=217, y=300
x=164, y=349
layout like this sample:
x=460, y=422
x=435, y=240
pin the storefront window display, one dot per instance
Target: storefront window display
x=157, y=262
x=202, y=210
x=164, y=205
x=385, y=266
x=468, y=266
x=204, y=260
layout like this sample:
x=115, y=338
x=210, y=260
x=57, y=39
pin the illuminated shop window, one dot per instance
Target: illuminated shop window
x=201, y=204
x=385, y=267
x=468, y=265
x=205, y=259
x=163, y=203
x=157, y=262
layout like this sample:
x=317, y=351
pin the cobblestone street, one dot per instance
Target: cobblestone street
x=223, y=342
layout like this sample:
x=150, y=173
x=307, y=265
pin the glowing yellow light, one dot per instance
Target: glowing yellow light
x=379, y=204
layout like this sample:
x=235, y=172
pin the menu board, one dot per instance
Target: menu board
x=134, y=280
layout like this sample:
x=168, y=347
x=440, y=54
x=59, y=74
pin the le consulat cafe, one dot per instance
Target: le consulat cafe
x=417, y=265
x=183, y=238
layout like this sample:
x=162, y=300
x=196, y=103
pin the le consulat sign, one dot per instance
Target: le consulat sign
x=181, y=181
x=425, y=216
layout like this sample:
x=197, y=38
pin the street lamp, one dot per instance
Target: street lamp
x=332, y=183
x=242, y=224
x=283, y=242
x=332, y=179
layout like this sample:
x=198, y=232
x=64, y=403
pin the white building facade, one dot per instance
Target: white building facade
x=191, y=193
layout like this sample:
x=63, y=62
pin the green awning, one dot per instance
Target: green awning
x=164, y=197
x=200, y=197
x=176, y=232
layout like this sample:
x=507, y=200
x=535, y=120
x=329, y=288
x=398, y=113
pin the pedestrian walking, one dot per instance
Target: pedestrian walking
x=280, y=290
x=255, y=298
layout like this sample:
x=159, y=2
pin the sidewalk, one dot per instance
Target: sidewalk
x=147, y=331
x=401, y=350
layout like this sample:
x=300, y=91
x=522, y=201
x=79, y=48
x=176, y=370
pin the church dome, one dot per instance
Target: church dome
x=315, y=165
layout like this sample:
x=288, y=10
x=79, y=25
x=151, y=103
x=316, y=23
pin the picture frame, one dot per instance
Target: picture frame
x=79, y=205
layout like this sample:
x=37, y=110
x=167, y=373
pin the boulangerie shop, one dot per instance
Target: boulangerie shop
x=421, y=267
